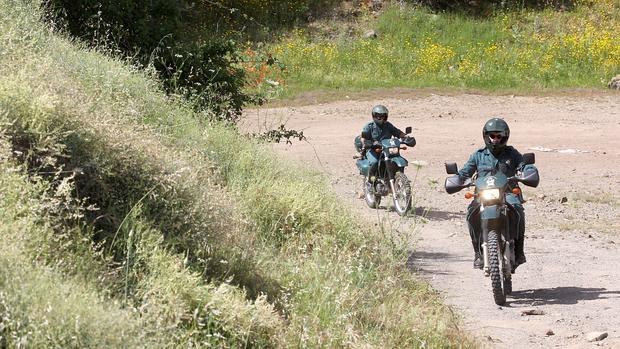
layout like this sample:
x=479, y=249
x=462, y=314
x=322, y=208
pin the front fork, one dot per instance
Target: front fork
x=506, y=262
x=389, y=168
x=485, y=254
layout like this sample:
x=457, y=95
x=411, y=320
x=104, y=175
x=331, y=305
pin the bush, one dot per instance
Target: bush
x=129, y=24
x=208, y=75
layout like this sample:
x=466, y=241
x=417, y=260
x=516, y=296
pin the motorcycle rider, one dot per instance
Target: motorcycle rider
x=496, y=155
x=376, y=131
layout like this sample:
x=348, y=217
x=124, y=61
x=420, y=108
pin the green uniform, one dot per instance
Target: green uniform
x=373, y=132
x=483, y=161
x=379, y=133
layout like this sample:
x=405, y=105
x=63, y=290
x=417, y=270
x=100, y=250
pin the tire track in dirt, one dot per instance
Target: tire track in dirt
x=572, y=229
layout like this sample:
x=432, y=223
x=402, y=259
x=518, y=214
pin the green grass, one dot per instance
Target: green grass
x=128, y=221
x=511, y=51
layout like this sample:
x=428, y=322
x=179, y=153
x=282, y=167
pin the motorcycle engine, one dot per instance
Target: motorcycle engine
x=381, y=188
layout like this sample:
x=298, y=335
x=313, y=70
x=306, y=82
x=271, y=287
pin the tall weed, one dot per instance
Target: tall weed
x=197, y=236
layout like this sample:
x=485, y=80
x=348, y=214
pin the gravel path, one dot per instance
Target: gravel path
x=572, y=230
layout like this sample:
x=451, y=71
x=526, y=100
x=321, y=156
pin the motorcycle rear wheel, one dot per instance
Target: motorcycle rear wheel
x=371, y=198
x=497, y=278
x=402, y=193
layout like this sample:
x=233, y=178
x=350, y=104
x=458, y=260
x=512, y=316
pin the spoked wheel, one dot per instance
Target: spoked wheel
x=371, y=198
x=402, y=193
x=497, y=277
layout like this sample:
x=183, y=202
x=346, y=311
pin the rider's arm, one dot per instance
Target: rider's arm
x=365, y=136
x=518, y=159
x=470, y=166
x=396, y=132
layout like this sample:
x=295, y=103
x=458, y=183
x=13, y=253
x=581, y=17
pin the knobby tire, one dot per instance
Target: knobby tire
x=496, y=276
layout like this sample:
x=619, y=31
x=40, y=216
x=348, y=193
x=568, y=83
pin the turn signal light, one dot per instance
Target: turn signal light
x=516, y=191
x=469, y=195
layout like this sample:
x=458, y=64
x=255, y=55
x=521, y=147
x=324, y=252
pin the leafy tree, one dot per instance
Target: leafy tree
x=192, y=44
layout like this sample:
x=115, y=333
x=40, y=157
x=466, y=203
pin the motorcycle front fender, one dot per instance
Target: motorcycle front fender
x=399, y=161
x=490, y=212
x=491, y=218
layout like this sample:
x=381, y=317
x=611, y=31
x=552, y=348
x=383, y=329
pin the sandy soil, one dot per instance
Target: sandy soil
x=572, y=274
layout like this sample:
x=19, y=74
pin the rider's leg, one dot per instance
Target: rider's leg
x=517, y=227
x=475, y=232
x=373, y=160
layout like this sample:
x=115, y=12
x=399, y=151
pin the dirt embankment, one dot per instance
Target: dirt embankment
x=572, y=229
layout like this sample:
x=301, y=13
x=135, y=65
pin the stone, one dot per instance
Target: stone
x=371, y=34
x=532, y=312
x=596, y=336
x=614, y=83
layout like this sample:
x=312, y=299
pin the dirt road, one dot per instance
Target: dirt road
x=572, y=230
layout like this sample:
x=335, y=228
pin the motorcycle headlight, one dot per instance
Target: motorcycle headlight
x=489, y=195
x=394, y=151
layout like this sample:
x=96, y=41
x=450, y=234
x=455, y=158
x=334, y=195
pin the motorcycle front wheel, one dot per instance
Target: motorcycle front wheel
x=497, y=277
x=370, y=196
x=402, y=193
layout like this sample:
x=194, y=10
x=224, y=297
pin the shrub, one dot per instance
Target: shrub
x=208, y=75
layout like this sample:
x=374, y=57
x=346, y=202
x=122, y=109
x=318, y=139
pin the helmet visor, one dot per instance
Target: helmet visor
x=496, y=137
x=379, y=116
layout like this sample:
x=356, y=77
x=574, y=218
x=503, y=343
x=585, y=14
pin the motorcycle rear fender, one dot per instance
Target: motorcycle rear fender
x=399, y=161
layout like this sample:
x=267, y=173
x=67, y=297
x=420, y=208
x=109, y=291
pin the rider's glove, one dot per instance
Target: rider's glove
x=410, y=141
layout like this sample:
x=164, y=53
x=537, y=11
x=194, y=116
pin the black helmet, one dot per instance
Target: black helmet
x=379, y=114
x=496, y=125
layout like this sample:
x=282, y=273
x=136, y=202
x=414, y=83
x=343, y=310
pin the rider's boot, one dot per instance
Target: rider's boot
x=519, y=254
x=520, y=259
x=475, y=242
x=372, y=178
x=478, y=262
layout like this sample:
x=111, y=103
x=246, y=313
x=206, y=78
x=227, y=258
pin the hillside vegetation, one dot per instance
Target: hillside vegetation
x=510, y=49
x=128, y=220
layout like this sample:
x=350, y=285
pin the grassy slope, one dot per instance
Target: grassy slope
x=124, y=223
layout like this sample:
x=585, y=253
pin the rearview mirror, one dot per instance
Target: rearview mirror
x=451, y=168
x=529, y=158
x=408, y=130
x=366, y=135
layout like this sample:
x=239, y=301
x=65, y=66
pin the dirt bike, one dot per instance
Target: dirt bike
x=498, y=244
x=389, y=177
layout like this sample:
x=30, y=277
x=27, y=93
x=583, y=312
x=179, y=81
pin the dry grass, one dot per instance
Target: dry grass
x=188, y=233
